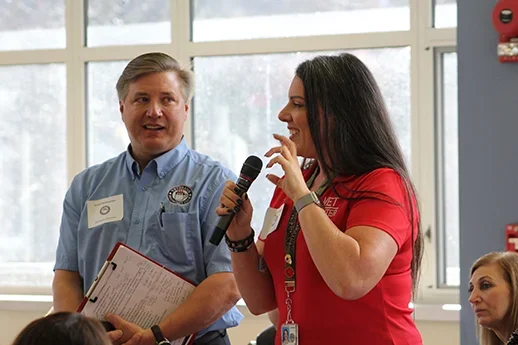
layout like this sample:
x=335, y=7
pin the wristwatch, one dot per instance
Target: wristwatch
x=159, y=336
x=306, y=200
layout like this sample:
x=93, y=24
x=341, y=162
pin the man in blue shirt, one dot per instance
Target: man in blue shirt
x=162, y=198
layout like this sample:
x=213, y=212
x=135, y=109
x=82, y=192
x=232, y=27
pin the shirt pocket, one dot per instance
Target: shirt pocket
x=176, y=230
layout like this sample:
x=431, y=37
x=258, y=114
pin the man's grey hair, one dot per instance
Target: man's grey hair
x=155, y=63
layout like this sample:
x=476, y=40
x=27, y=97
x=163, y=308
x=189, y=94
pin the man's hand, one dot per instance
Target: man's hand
x=128, y=333
x=115, y=335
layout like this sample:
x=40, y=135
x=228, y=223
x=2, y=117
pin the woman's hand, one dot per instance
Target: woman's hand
x=293, y=183
x=232, y=203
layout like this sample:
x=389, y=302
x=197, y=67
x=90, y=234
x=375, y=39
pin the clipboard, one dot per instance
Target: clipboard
x=136, y=288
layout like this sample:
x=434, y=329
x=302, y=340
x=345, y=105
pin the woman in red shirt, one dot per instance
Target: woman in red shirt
x=340, y=250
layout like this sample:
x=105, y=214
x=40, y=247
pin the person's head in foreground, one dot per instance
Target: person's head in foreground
x=63, y=328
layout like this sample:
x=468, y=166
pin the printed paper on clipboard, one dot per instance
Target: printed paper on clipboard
x=137, y=289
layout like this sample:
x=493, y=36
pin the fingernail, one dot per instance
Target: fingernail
x=236, y=209
x=237, y=190
x=239, y=202
x=246, y=196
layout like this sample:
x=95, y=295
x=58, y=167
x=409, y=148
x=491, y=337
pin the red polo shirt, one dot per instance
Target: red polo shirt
x=380, y=317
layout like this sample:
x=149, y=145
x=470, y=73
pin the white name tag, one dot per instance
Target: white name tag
x=104, y=210
x=271, y=221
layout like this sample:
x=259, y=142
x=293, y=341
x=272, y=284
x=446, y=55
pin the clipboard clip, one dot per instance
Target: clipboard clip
x=96, y=281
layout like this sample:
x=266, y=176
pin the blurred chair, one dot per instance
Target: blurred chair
x=266, y=337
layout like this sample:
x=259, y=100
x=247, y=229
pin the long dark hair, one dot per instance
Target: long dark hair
x=63, y=328
x=344, y=90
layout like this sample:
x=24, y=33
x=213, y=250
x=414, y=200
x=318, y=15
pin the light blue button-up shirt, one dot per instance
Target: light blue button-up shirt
x=168, y=215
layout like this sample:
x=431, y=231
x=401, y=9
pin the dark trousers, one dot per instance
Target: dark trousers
x=213, y=338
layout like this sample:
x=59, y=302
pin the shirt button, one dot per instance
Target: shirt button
x=137, y=221
x=145, y=188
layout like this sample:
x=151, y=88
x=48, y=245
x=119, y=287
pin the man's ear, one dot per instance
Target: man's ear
x=121, y=107
x=186, y=110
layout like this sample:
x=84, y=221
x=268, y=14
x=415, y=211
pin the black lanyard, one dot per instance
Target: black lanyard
x=290, y=240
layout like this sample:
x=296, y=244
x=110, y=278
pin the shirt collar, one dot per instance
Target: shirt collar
x=163, y=164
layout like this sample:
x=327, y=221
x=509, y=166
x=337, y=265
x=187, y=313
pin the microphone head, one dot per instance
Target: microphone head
x=252, y=167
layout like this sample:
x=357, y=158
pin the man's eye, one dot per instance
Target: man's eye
x=141, y=100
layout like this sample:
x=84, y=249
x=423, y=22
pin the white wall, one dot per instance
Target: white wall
x=444, y=333
x=12, y=322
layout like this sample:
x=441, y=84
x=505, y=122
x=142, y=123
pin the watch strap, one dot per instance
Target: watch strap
x=159, y=336
x=306, y=200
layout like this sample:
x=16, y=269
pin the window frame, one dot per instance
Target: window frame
x=422, y=38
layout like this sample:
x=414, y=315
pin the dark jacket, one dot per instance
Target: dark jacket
x=513, y=339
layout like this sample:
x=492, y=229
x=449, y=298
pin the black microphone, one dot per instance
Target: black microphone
x=250, y=170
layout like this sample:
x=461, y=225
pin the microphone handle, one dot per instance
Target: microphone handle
x=224, y=221
x=221, y=229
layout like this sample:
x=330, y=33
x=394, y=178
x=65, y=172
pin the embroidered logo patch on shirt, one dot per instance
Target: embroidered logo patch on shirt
x=179, y=194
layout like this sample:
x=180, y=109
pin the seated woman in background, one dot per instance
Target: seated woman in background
x=493, y=296
x=63, y=329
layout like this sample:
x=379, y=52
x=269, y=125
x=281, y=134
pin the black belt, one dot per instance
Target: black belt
x=210, y=336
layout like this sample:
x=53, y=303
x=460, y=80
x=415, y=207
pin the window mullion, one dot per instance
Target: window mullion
x=76, y=144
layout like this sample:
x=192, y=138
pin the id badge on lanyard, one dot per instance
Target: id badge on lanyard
x=289, y=331
x=290, y=334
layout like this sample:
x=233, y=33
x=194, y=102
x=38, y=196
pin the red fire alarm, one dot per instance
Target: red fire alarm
x=511, y=237
x=505, y=21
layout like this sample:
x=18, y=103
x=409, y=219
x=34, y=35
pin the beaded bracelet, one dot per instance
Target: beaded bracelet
x=240, y=245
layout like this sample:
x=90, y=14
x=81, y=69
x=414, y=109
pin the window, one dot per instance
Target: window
x=127, y=22
x=61, y=110
x=106, y=134
x=32, y=24
x=448, y=171
x=215, y=21
x=445, y=13
x=33, y=164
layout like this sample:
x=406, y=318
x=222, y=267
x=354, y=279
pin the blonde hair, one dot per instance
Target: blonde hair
x=155, y=63
x=508, y=261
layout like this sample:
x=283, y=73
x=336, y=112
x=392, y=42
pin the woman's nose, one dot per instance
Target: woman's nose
x=474, y=297
x=283, y=115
